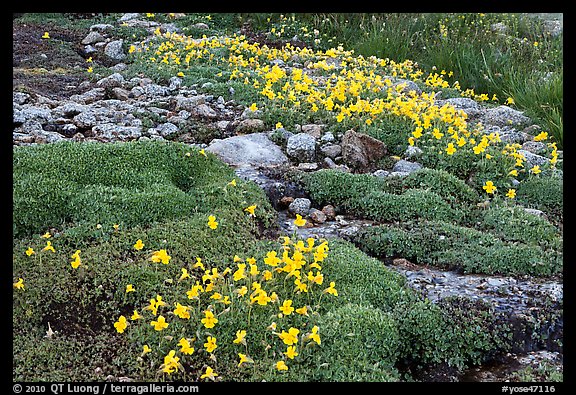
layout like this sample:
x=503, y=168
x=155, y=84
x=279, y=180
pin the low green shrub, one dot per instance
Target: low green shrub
x=335, y=187
x=457, y=247
x=423, y=333
x=412, y=204
x=364, y=280
x=543, y=193
x=361, y=344
x=130, y=183
x=450, y=188
x=457, y=331
x=380, y=199
x=515, y=224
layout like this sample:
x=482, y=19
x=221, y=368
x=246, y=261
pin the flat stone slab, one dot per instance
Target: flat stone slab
x=254, y=149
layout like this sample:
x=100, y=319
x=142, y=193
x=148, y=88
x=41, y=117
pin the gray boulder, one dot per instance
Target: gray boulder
x=254, y=149
x=533, y=159
x=301, y=147
x=92, y=38
x=114, y=50
x=404, y=166
x=300, y=206
x=167, y=129
x=505, y=116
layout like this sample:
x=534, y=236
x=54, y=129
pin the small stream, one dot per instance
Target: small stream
x=517, y=297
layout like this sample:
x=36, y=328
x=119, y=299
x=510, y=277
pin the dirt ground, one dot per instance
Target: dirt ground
x=53, y=67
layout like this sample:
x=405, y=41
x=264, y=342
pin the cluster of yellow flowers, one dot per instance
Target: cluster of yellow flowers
x=286, y=285
x=239, y=289
x=336, y=83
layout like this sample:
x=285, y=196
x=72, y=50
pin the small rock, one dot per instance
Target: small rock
x=398, y=174
x=533, y=159
x=317, y=216
x=300, y=206
x=119, y=67
x=248, y=126
x=349, y=232
x=92, y=38
x=89, y=50
x=174, y=83
x=405, y=166
x=20, y=97
x=407, y=86
x=90, y=96
x=167, y=129
x=505, y=116
x=328, y=138
x=69, y=130
x=200, y=26
x=381, y=173
x=301, y=147
x=84, y=120
x=536, y=147
x=129, y=16
x=154, y=90
x=280, y=136
x=204, y=111
x=45, y=137
x=331, y=150
x=285, y=201
x=495, y=282
x=114, y=50
x=536, y=212
x=222, y=125
x=499, y=27
x=101, y=27
x=412, y=152
x=78, y=137
x=112, y=81
x=313, y=130
x=254, y=149
x=307, y=166
x=121, y=93
x=188, y=103
x=360, y=151
x=249, y=114
x=330, y=163
x=113, y=132
x=329, y=212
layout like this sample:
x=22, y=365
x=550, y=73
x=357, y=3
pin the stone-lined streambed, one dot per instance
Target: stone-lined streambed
x=532, y=306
